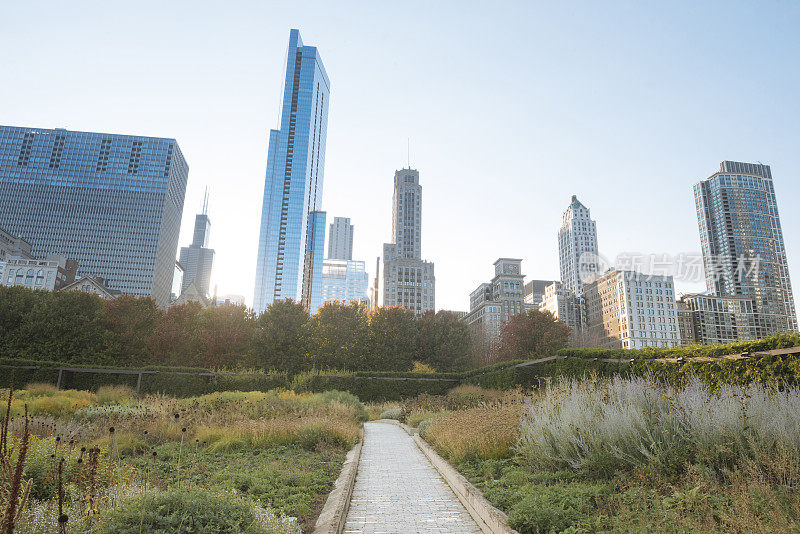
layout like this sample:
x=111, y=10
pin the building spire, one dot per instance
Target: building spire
x=205, y=202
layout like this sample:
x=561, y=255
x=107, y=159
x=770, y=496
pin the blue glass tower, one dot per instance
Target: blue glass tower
x=111, y=202
x=292, y=233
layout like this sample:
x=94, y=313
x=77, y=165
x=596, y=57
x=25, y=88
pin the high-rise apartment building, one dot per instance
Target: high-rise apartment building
x=111, y=202
x=742, y=241
x=630, y=310
x=292, y=232
x=197, y=259
x=340, y=239
x=407, y=280
x=492, y=304
x=577, y=247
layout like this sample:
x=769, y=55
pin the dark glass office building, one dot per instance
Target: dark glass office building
x=292, y=231
x=112, y=202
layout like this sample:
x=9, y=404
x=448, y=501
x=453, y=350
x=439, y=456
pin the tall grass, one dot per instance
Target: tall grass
x=620, y=424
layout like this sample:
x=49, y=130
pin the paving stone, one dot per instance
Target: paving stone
x=398, y=491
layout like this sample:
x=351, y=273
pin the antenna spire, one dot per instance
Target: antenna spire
x=408, y=151
x=205, y=202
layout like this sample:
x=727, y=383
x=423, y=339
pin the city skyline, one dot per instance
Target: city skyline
x=669, y=119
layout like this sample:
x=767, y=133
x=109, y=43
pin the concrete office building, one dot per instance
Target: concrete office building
x=577, y=247
x=50, y=274
x=292, y=231
x=405, y=279
x=742, y=241
x=563, y=305
x=111, y=202
x=492, y=304
x=630, y=310
x=340, y=239
x=534, y=292
x=12, y=246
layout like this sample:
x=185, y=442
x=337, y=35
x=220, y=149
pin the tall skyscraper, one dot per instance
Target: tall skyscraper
x=742, y=241
x=197, y=259
x=577, y=246
x=340, y=239
x=407, y=280
x=292, y=233
x=111, y=202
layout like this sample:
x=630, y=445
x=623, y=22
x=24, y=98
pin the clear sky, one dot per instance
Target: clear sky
x=511, y=108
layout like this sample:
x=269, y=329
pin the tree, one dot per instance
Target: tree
x=225, y=337
x=393, y=336
x=534, y=334
x=338, y=336
x=280, y=337
x=132, y=323
x=443, y=341
x=66, y=327
x=174, y=342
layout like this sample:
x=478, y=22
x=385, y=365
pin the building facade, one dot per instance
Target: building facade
x=577, y=247
x=344, y=281
x=563, y=305
x=630, y=310
x=709, y=319
x=111, y=202
x=742, y=241
x=290, y=247
x=534, y=292
x=50, y=274
x=492, y=304
x=340, y=239
x=197, y=259
x=13, y=246
x=405, y=278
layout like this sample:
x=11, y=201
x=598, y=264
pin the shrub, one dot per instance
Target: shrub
x=475, y=433
x=555, y=508
x=195, y=510
x=378, y=388
x=392, y=413
x=602, y=426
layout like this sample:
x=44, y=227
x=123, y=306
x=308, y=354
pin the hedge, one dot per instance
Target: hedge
x=373, y=388
x=778, y=341
x=168, y=380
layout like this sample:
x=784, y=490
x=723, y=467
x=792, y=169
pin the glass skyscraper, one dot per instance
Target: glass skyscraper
x=292, y=233
x=742, y=241
x=112, y=202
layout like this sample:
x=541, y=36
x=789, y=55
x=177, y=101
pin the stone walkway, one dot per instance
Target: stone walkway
x=397, y=490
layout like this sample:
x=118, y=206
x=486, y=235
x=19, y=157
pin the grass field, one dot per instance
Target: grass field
x=224, y=462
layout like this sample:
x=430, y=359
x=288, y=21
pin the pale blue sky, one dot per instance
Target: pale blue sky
x=511, y=107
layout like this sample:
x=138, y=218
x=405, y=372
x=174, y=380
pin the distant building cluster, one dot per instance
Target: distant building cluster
x=749, y=294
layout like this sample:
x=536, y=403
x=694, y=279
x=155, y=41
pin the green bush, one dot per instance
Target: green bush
x=192, y=511
x=555, y=508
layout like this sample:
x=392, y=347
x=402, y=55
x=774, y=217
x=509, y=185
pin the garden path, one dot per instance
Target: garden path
x=397, y=490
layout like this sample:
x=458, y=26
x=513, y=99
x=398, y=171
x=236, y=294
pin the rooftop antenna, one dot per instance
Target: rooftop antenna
x=408, y=151
x=205, y=202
